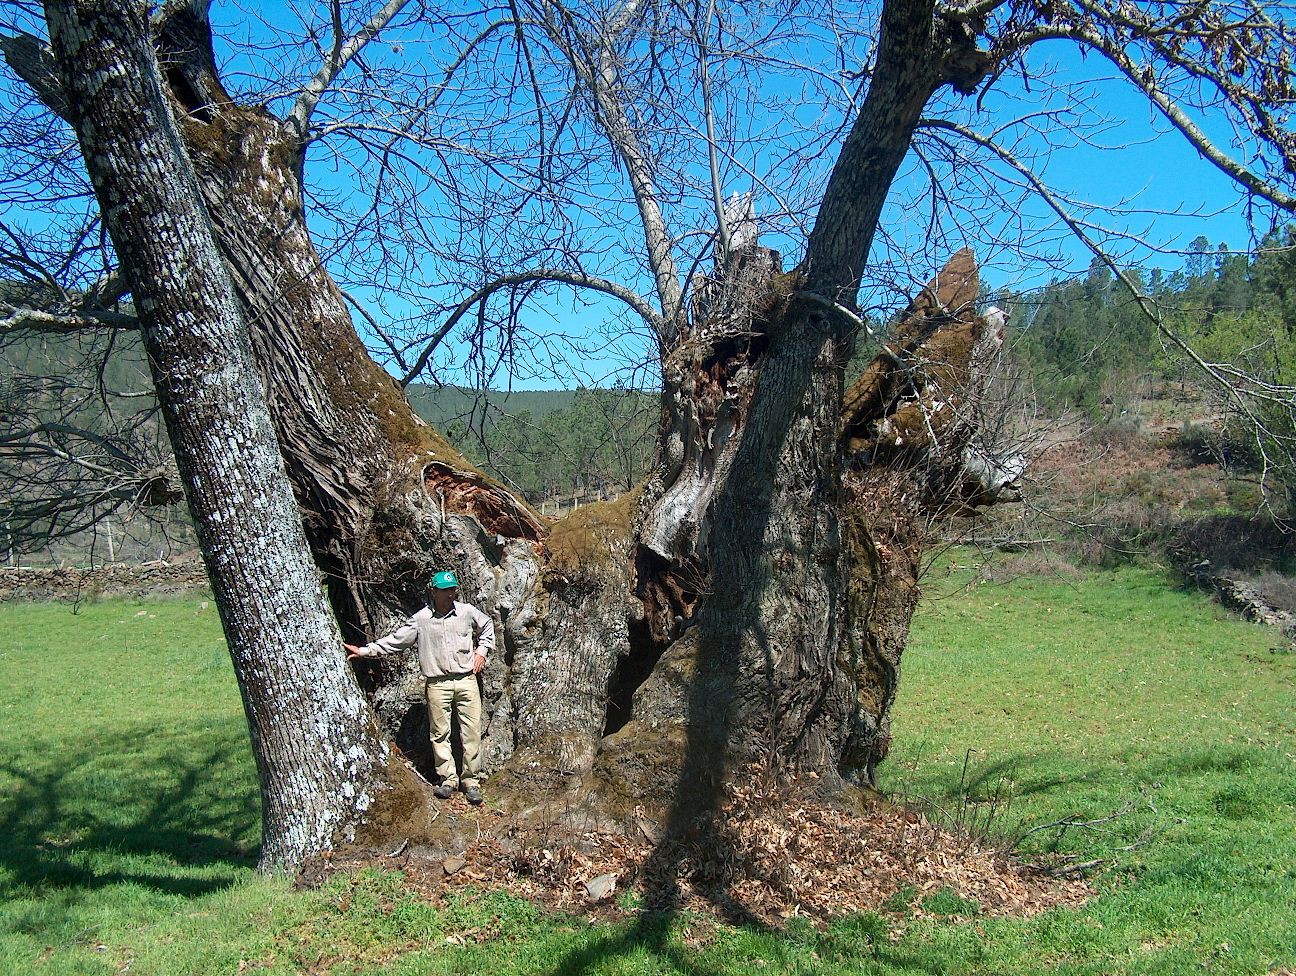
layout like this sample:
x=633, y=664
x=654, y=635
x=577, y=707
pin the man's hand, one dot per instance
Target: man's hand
x=479, y=661
x=353, y=651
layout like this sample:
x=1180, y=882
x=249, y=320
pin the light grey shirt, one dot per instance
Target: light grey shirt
x=445, y=644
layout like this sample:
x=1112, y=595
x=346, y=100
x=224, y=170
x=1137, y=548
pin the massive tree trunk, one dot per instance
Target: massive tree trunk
x=312, y=734
x=774, y=563
x=740, y=606
x=747, y=603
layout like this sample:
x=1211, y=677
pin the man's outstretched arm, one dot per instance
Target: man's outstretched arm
x=400, y=639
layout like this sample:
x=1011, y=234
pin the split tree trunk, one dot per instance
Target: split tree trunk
x=777, y=556
x=748, y=603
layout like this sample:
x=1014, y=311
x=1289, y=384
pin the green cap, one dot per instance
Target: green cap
x=445, y=580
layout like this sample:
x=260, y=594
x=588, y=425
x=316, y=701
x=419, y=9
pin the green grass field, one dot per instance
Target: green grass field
x=130, y=822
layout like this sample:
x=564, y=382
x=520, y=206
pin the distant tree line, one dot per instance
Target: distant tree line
x=602, y=439
x=1084, y=344
x=1076, y=338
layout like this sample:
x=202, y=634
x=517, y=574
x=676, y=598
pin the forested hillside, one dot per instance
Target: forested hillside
x=1081, y=338
x=447, y=406
x=548, y=444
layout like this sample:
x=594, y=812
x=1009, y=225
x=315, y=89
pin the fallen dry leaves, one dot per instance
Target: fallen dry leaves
x=772, y=855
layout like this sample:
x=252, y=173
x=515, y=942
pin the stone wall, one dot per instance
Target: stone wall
x=72, y=584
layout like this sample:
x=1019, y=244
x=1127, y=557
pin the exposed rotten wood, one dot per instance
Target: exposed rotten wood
x=499, y=512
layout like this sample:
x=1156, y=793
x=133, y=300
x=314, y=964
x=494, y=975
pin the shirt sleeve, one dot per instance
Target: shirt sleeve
x=485, y=628
x=400, y=639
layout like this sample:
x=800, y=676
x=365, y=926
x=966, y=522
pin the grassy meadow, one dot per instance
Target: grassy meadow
x=129, y=818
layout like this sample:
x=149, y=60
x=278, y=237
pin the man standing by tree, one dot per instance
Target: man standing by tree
x=450, y=659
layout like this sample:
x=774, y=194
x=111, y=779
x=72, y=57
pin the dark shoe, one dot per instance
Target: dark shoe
x=444, y=791
x=473, y=795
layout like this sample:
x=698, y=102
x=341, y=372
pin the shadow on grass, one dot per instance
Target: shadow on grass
x=1038, y=773
x=650, y=933
x=655, y=931
x=859, y=943
x=985, y=781
x=83, y=822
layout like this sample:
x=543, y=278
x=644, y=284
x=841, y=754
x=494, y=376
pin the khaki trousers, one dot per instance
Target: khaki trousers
x=460, y=693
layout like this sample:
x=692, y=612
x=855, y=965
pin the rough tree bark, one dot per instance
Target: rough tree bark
x=749, y=602
x=312, y=733
x=384, y=499
x=771, y=590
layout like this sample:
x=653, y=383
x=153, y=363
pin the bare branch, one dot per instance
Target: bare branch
x=973, y=10
x=594, y=61
x=520, y=37
x=33, y=62
x=579, y=280
x=337, y=59
x=15, y=319
x=855, y=321
x=1196, y=44
x=111, y=287
x=622, y=18
x=396, y=351
x=700, y=35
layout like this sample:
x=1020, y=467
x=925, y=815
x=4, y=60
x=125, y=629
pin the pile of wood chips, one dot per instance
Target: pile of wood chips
x=770, y=858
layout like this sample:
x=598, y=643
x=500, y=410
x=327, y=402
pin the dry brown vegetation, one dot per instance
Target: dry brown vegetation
x=777, y=851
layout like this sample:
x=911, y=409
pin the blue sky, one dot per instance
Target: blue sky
x=1160, y=196
x=1156, y=192
x=1169, y=193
